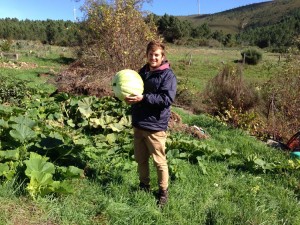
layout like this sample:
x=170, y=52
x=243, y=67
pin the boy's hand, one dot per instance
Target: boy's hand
x=131, y=99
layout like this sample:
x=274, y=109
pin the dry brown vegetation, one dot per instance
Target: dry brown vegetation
x=79, y=79
x=229, y=87
x=176, y=125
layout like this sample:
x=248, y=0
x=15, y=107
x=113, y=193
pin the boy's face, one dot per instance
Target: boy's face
x=155, y=58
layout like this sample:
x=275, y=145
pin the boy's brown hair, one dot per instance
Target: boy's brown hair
x=154, y=45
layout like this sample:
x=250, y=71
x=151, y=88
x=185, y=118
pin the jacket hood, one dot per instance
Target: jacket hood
x=164, y=65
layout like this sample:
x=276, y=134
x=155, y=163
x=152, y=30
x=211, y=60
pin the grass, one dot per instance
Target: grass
x=224, y=196
x=194, y=67
x=230, y=192
x=39, y=65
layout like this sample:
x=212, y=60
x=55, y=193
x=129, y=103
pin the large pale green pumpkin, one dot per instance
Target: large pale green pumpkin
x=127, y=82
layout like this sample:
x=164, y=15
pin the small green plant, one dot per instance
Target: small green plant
x=251, y=56
x=6, y=45
x=12, y=91
x=238, y=118
x=41, y=172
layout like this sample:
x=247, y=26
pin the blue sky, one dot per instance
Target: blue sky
x=64, y=9
x=39, y=9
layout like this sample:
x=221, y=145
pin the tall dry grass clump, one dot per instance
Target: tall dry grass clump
x=229, y=89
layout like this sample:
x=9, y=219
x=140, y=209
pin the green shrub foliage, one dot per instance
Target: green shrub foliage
x=12, y=91
x=251, y=56
x=6, y=45
x=281, y=101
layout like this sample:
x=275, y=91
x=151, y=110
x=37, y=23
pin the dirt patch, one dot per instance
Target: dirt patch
x=176, y=125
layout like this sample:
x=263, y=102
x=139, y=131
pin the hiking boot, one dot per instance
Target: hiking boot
x=144, y=187
x=162, y=197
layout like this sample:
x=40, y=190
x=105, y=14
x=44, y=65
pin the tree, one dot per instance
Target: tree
x=115, y=34
x=218, y=35
x=201, y=31
x=114, y=37
x=51, y=32
x=173, y=29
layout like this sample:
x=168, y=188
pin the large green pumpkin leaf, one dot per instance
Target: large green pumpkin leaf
x=38, y=163
x=71, y=123
x=109, y=119
x=23, y=120
x=4, y=123
x=5, y=110
x=173, y=154
x=71, y=172
x=22, y=133
x=41, y=173
x=125, y=121
x=74, y=171
x=42, y=178
x=82, y=141
x=94, y=122
x=84, y=107
x=116, y=127
x=111, y=138
x=9, y=155
x=63, y=187
x=40, y=184
x=4, y=168
x=102, y=122
x=6, y=171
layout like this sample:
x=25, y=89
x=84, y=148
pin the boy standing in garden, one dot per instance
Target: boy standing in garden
x=150, y=116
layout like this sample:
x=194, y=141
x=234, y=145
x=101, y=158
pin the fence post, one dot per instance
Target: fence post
x=244, y=58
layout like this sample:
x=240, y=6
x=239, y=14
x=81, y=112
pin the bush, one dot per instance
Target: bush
x=251, y=56
x=192, y=42
x=184, y=98
x=6, y=45
x=246, y=120
x=281, y=102
x=12, y=91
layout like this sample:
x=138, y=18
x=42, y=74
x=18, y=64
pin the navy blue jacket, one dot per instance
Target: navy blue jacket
x=153, y=112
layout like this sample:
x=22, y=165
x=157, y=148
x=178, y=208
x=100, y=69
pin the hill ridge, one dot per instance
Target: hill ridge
x=252, y=15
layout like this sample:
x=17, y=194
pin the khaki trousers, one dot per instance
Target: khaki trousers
x=151, y=143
